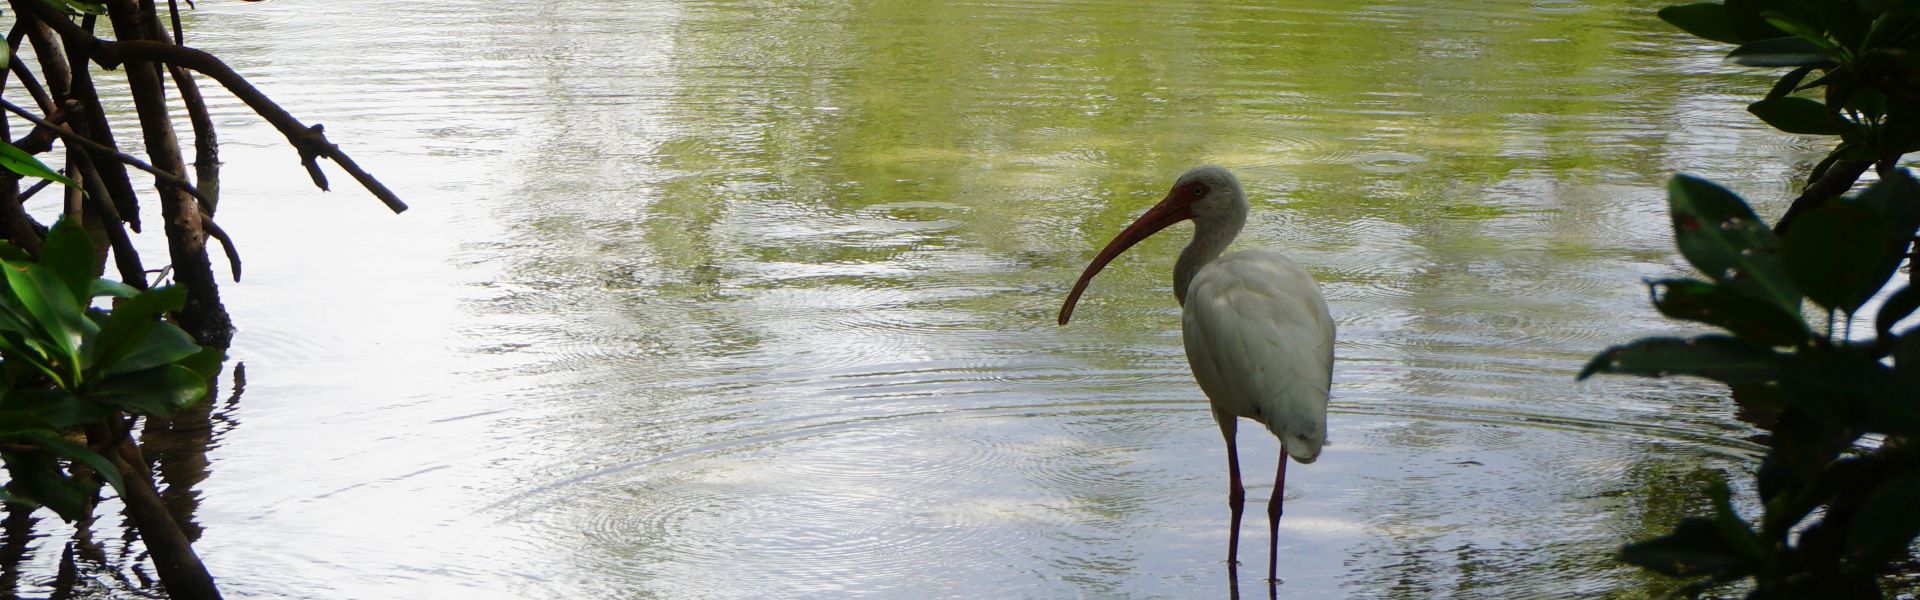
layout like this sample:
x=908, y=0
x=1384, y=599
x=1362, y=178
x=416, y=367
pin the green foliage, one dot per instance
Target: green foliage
x=65, y=365
x=1843, y=252
x=12, y=158
x=1840, y=482
x=1746, y=316
x=1831, y=392
x=1707, y=19
x=1866, y=51
x=1719, y=233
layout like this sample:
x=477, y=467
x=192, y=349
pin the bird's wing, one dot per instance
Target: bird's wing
x=1260, y=341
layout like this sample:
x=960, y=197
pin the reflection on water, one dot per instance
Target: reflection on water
x=755, y=299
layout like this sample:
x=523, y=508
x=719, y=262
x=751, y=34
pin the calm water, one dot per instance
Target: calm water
x=733, y=299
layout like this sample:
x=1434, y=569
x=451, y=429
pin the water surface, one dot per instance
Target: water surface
x=733, y=299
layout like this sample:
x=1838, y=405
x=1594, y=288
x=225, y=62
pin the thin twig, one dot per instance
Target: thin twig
x=19, y=69
x=173, y=10
x=128, y=159
x=226, y=243
x=34, y=189
x=73, y=90
x=33, y=86
x=1836, y=181
x=126, y=258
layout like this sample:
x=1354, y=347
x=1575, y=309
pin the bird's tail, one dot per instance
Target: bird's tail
x=1304, y=448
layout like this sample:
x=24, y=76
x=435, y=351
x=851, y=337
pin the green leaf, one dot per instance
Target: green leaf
x=20, y=349
x=1790, y=51
x=205, y=363
x=1897, y=307
x=38, y=477
x=109, y=287
x=1800, y=30
x=1746, y=20
x=1849, y=387
x=1787, y=83
x=1759, y=402
x=1906, y=360
x=1706, y=20
x=55, y=314
x=1732, y=529
x=1869, y=102
x=129, y=325
x=69, y=254
x=1834, y=253
x=1749, y=318
x=12, y=158
x=1843, y=151
x=1900, y=131
x=1720, y=236
x=1694, y=548
x=1847, y=27
x=14, y=318
x=164, y=344
x=1888, y=29
x=1802, y=445
x=8, y=251
x=81, y=453
x=1842, y=84
x=1793, y=114
x=1886, y=521
x=56, y=406
x=1715, y=357
x=158, y=391
x=14, y=423
x=1896, y=197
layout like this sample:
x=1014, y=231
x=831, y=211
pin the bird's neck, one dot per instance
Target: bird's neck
x=1210, y=238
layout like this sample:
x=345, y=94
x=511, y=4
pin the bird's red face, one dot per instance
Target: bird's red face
x=1176, y=207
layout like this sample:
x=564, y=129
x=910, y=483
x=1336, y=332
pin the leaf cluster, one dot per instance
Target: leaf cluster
x=1837, y=512
x=1855, y=68
x=66, y=365
x=1841, y=478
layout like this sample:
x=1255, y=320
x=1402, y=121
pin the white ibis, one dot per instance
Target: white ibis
x=1256, y=329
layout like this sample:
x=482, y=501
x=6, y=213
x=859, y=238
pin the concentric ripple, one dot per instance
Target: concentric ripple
x=862, y=506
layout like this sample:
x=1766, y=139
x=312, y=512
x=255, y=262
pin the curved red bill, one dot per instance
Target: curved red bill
x=1170, y=210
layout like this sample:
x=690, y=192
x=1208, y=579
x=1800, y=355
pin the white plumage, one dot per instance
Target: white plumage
x=1256, y=328
x=1261, y=345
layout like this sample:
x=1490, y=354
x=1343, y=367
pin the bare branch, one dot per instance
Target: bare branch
x=34, y=189
x=33, y=86
x=310, y=141
x=226, y=243
x=1836, y=181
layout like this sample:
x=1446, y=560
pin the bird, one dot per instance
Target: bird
x=1257, y=332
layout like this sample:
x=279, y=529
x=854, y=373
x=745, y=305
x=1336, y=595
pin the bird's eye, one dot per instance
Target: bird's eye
x=1197, y=190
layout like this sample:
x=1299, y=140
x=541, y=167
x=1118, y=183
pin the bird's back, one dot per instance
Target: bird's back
x=1260, y=342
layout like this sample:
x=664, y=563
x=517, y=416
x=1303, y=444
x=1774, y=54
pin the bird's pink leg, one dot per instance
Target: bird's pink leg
x=1273, y=517
x=1236, y=494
